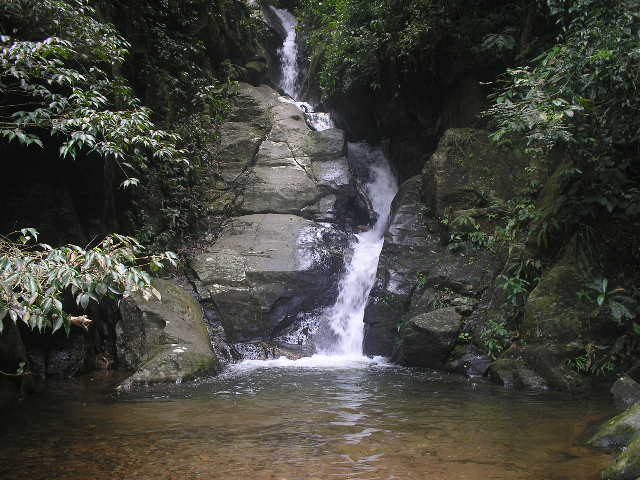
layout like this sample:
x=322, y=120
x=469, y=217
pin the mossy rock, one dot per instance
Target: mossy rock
x=619, y=431
x=164, y=341
x=627, y=464
x=173, y=364
x=622, y=431
x=468, y=171
x=553, y=311
x=549, y=361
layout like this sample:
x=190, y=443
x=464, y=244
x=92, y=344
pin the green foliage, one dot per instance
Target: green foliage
x=465, y=337
x=594, y=361
x=580, y=97
x=35, y=277
x=172, y=68
x=522, y=274
x=361, y=38
x=63, y=86
x=516, y=288
x=612, y=301
x=495, y=337
x=53, y=82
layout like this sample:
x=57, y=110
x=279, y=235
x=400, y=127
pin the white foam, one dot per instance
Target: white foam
x=318, y=361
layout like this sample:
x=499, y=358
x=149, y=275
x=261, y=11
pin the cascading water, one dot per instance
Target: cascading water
x=288, y=53
x=345, y=318
x=347, y=314
x=289, y=77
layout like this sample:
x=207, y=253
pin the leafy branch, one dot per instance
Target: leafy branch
x=35, y=277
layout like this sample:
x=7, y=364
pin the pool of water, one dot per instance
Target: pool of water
x=346, y=421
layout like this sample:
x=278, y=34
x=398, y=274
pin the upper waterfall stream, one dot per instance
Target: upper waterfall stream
x=290, y=74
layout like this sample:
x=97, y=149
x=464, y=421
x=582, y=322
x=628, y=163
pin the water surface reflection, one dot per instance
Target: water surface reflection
x=370, y=422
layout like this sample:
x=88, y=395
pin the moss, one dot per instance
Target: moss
x=619, y=431
x=553, y=310
x=627, y=464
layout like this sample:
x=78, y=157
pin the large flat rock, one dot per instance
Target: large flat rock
x=266, y=268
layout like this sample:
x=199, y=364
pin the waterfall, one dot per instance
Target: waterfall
x=289, y=75
x=346, y=316
x=288, y=53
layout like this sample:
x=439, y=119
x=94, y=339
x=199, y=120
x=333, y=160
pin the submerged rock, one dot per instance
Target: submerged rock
x=468, y=361
x=164, y=341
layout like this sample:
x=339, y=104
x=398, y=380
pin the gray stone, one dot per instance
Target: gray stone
x=514, y=374
x=264, y=269
x=426, y=340
x=164, y=341
x=626, y=391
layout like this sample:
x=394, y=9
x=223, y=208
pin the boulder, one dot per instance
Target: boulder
x=467, y=170
x=264, y=269
x=514, y=374
x=164, y=341
x=626, y=392
x=549, y=361
x=413, y=263
x=622, y=431
x=553, y=311
x=426, y=339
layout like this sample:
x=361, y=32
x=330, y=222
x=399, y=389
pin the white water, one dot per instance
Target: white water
x=346, y=316
x=318, y=361
x=288, y=53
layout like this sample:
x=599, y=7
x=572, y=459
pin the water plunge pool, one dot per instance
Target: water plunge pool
x=348, y=420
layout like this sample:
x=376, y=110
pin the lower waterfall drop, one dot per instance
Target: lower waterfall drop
x=346, y=316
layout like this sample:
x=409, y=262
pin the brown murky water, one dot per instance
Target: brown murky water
x=294, y=423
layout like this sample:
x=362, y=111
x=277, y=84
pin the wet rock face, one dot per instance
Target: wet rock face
x=265, y=268
x=273, y=262
x=164, y=341
x=417, y=274
x=274, y=163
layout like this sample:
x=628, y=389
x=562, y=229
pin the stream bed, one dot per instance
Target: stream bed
x=339, y=419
